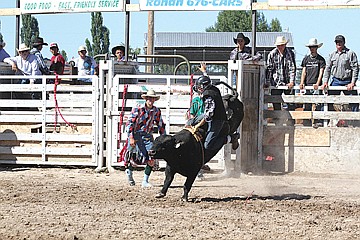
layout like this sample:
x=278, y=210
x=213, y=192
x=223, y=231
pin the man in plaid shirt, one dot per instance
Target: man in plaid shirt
x=140, y=135
x=280, y=71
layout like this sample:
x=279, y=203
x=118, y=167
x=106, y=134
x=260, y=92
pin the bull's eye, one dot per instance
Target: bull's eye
x=177, y=145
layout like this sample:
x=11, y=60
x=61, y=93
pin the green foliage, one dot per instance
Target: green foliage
x=100, y=36
x=275, y=25
x=64, y=54
x=89, y=47
x=241, y=21
x=29, y=29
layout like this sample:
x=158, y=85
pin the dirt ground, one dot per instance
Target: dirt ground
x=57, y=203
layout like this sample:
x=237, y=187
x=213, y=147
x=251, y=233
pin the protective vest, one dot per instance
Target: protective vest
x=214, y=92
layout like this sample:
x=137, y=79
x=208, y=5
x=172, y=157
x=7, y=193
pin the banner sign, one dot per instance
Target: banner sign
x=198, y=5
x=288, y=3
x=70, y=6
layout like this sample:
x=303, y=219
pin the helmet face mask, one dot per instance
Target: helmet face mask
x=202, y=83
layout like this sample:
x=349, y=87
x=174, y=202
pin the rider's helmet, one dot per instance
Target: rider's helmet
x=202, y=83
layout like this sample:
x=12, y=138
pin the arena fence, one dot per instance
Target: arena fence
x=85, y=125
x=49, y=124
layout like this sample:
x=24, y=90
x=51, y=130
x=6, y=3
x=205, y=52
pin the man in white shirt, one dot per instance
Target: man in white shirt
x=86, y=65
x=24, y=64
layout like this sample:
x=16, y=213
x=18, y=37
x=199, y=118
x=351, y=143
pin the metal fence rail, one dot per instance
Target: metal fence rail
x=41, y=124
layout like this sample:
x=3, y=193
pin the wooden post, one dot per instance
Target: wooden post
x=150, y=40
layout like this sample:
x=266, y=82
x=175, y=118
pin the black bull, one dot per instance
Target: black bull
x=185, y=155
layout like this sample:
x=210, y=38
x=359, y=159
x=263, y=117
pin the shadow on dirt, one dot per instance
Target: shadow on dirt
x=13, y=169
x=291, y=196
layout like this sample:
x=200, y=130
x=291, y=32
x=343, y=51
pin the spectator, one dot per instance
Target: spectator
x=3, y=53
x=119, y=53
x=57, y=62
x=25, y=64
x=86, y=65
x=343, y=66
x=140, y=136
x=37, y=47
x=280, y=71
x=313, y=69
x=242, y=52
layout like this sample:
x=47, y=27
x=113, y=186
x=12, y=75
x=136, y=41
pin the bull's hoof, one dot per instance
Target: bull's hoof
x=160, y=195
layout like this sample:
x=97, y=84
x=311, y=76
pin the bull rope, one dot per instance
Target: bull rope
x=123, y=150
x=198, y=138
x=57, y=109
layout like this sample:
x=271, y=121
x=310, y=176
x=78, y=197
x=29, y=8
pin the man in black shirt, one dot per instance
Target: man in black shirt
x=312, y=73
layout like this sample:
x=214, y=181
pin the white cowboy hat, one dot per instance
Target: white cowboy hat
x=151, y=93
x=23, y=47
x=2, y=43
x=281, y=40
x=313, y=42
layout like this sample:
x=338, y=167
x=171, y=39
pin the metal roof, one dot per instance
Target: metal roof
x=214, y=39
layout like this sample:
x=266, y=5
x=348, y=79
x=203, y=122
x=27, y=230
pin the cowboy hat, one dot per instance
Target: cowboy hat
x=281, y=40
x=313, y=42
x=151, y=93
x=242, y=36
x=23, y=47
x=39, y=41
x=113, y=50
x=2, y=43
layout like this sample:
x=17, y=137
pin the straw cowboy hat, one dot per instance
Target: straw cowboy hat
x=242, y=36
x=113, y=50
x=39, y=41
x=23, y=47
x=313, y=42
x=281, y=40
x=151, y=93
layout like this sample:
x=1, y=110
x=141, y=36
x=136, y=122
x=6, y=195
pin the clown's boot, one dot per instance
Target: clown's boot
x=130, y=177
x=145, y=182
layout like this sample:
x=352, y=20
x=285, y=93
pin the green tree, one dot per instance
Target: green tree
x=63, y=53
x=29, y=29
x=241, y=21
x=275, y=25
x=100, y=36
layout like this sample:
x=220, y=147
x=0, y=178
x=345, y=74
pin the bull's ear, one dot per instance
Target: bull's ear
x=178, y=144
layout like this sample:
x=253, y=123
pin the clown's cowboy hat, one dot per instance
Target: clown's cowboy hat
x=151, y=93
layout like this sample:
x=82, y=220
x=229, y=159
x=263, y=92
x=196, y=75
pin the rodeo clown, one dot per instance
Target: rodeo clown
x=140, y=136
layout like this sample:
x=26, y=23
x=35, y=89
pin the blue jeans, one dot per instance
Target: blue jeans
x=343, y=82
x=213, y=139
x=144, y=142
